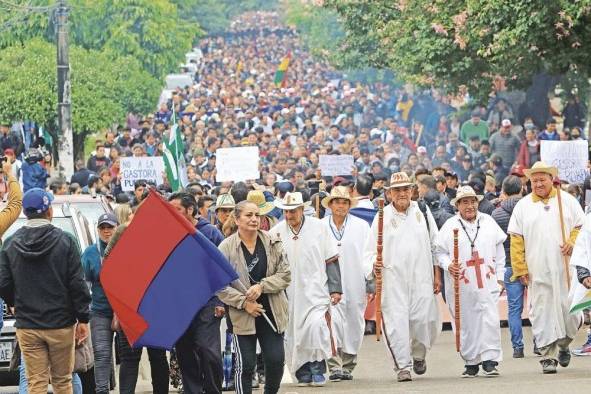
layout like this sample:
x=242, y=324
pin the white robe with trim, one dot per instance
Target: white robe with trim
x=581, y=256
x=308, y=337
x=549, y=300
x=349, y=313
x=409, y=308
x=480, y=335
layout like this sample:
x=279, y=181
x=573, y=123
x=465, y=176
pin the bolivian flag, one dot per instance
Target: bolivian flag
x=281, y=73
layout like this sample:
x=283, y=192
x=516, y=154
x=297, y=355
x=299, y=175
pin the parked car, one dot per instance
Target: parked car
x=89, y=207
x=68, y=218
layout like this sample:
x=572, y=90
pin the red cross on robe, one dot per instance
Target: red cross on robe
x=476, y=262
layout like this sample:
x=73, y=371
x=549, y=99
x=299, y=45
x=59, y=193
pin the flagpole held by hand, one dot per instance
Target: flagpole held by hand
x=243, y=289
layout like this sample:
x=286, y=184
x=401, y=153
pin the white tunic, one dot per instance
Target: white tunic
x=409, y=307
x=308, y=337
x=539, y=224
x=480, y=336
x=349, y=312
x=581, y=256
x=364, y=202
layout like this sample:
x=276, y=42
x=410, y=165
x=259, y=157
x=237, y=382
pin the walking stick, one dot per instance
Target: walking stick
x=564, y=258
x=319, y=179
x=419, y=135
x=378, y=269
x=457, y=291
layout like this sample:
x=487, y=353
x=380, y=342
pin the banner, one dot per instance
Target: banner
x=136, y=168
x=570, y=157
x=237, y=164
x=335, y=165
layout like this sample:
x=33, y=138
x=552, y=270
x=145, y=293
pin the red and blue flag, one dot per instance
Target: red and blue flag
x=366, y=214
x=161, y=272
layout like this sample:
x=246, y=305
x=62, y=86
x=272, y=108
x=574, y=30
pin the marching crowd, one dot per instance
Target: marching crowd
x=471, y=212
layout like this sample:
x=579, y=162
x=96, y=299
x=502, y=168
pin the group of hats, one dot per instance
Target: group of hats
x=226, y=201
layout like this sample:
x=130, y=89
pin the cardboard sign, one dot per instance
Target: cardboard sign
x=237, y=164
x=570, y=157
x=335, y=165
x=136, y=168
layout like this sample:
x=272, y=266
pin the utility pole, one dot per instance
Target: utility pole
x=64, y=103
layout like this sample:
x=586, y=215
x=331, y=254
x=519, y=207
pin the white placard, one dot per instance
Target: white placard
x=570, y=157
x=237, y=164
x=136, y=168
x=334, y=165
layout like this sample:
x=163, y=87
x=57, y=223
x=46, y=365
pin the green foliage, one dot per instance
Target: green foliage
x=448, y=43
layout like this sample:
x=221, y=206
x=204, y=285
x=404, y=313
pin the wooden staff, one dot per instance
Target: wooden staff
x=319, y=179
x=564, y=258
x=378, y=268
x=457, y=291
x=419, y=135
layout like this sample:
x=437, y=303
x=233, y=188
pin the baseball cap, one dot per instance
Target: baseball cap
x=421, y=149
x=107, y=218
x=37, y=200
x=506, y=123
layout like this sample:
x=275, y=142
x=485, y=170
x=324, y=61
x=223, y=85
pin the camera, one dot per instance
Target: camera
x=34, y=156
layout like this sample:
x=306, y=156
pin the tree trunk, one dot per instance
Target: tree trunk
x=79, y=145
x=537, y=104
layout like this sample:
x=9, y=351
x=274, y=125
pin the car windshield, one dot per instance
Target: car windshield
x=65, y=224
x=90, y=210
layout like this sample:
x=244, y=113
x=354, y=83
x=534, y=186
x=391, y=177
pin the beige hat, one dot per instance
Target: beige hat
x=540, y=166
x=291, y=201
x=337, y=192
x=400, y=179
x=464, y=192
x=258, y=198
x=225, y=201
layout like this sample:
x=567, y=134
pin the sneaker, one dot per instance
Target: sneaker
x=549, y=366
x=370, y=327
x=255, y=381
x=490, y=368
x=346, y=375
x=564, y=358
x=471, y=371
x=335, y=376
x=318, y=381
x=404, y=376
x=419, y=366
x=518, y=353
x=584, y=350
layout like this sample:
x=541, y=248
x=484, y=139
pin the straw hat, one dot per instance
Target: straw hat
x=225, y=201
x=291, y=201
x=399, y=179
x=465, y=192
x=337, y=192
x=258, y=198
x=540, y=166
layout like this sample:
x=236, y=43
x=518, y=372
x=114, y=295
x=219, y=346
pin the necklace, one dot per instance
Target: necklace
x=472, y=241
x=338, y=234
x=295, y=234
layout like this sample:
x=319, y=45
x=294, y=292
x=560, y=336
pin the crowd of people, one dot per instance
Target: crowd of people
x=304, y=248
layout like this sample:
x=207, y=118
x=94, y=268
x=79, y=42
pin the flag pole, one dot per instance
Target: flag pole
x=562, y=230
x=378, y=269
x=244, y=290
x=456, y=291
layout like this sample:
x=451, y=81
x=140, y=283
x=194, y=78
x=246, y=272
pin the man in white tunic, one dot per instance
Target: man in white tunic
x=348, y=233
x=537, y=253
x=315, y=288
x=480, y=270
x=410, y=314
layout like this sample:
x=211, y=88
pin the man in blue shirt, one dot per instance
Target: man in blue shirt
x=550, y=132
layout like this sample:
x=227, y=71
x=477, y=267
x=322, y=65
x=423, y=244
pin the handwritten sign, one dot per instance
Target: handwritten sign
x=334, y=165
x=237, y=164
x=570, y=157
x=136, y=168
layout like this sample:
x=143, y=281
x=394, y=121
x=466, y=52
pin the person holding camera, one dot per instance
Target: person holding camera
x=34, y=174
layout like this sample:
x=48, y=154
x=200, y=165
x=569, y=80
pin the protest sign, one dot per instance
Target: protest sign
x=570, y=157
x=136, y=168
x=237, y=164
x=335, y=165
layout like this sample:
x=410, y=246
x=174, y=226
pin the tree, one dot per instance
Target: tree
x=448, y=43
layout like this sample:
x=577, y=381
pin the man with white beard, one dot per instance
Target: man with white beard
x=537, y=258
x=348, y=233
x=410, y=314
x=480, y=270
x=314, y=290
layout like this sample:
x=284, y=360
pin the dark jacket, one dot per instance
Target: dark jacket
x=81, y=177
x=486, y=206
x=92, y=263
x=41, y=275
x=34, y=175
x=501, y=215
x=210, y=231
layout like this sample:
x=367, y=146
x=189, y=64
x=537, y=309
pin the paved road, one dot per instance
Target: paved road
x=374, y=373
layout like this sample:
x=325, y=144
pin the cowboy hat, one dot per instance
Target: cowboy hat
x=465, y=192
x=540, y=166
x=225, y=201
x=341, y=192
x=399, y=179
x=258, y=198
x=291, y=201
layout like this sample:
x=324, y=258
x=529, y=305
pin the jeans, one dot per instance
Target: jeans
x=306, y=371
x=102, y=344
x=246, y=358
x=23, y=383
x=130, y=360
x=515, y=291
